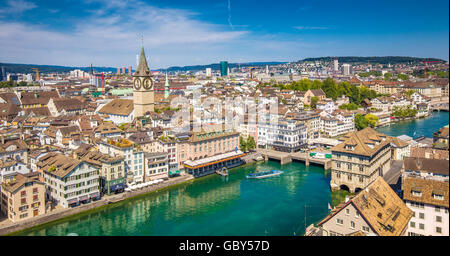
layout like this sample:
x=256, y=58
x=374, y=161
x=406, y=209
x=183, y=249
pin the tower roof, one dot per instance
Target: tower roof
x=142, y=69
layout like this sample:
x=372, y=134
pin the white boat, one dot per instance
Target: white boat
x=266, y=174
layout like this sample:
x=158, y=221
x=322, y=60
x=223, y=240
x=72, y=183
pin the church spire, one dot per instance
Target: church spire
x=142, y=69
x=167, y=89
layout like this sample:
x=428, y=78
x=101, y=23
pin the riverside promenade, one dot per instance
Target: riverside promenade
x=7, y=226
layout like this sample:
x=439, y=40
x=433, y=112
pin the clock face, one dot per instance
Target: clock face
x=148, y=83
x=137, y=83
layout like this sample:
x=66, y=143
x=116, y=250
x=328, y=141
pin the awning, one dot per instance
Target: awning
x=174, y=172
x=207, y=161
x=94, y=195
x=72, y=201
x=83, y=198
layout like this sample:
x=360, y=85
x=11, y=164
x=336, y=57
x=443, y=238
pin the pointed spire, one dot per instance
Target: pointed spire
x=142, y=69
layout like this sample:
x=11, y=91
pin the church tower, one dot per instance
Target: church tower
x=167, y=88
x=143, y=88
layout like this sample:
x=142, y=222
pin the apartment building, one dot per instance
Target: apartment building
x=69, y=182
x=23, y=197
x=132, y=154
x=156, y=166
x=112, y=171
x=428, y=199
x=286, y=135
x=374, y=211
x=359, y=159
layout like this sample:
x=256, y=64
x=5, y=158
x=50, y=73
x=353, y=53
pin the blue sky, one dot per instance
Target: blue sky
x=180, y=32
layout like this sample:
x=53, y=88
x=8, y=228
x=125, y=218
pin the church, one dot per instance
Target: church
x=143, y=88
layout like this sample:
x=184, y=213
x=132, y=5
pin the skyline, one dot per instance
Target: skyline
x=176, y=33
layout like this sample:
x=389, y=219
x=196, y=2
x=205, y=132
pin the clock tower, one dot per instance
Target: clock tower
x=143, y=83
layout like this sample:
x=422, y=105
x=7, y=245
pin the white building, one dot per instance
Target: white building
x=347, y=69
x=133, y=157
x=286, y=135
x=69, y=181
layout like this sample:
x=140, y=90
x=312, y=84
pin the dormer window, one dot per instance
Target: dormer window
x=438, y=195
x=416, y=192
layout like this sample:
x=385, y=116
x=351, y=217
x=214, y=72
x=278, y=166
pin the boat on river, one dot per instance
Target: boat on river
x=266, y=174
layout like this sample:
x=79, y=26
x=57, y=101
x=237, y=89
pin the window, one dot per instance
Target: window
x=437, y=208
x=35, y=190
x=352, y=225
x=357, y=214
x=339, y=221
x=421, y=215
x=421, y=226
x=347, y=211
x=438, y=219
x=416, y=193
x=365, y=229
x=23, y=200
x=412, y=224
x=23, y=193
x=438, y=230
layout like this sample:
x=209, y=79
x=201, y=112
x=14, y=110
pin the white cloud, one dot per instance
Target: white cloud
x=310, y=28
x=17, y=6
x=112, y=37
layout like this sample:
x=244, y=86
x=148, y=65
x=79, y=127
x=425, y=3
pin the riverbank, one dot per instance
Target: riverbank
x=9, y=228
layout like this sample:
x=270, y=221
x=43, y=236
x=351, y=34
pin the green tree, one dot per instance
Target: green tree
x=409, y=93
x=242, y=144
x=330, y=88
x=360, y=122
x=251, y=144
x=372, y=120
x=314, y=101
x=387, y=76
x=350, y=106
x=403, y=77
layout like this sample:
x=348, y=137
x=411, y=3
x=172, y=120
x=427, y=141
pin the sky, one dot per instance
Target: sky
x=196, y=32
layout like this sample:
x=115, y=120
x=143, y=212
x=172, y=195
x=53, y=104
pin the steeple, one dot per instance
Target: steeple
x=142, y=69
x=167, y=90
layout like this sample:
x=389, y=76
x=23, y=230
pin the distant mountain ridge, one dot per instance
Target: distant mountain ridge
x=27, y=68
x=373, y=59
x=216, y=66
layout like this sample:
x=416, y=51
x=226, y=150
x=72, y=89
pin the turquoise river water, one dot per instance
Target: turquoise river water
x=232, y=205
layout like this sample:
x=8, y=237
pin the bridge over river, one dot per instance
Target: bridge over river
x=285, y=157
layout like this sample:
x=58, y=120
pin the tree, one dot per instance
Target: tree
x=251, y=144
x=372, y=120
x=409, y=93
x=314, y=101
x=360, y=122
x=387, y=76
x=349, y=106
x=403, y=77
x=242, y=144
x=330, y=88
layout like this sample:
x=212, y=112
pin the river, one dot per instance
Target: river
x=215, y=205
x=417, y=127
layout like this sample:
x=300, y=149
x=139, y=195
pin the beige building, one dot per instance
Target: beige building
x=375, y=211
x=360, y=158
x=23, y=197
